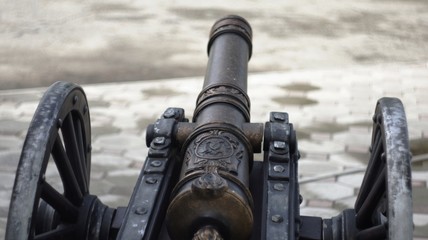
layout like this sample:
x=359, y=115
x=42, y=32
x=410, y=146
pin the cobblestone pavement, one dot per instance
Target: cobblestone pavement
x=330, y=108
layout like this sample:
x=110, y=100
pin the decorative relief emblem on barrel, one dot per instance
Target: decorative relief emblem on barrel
x=217, y=149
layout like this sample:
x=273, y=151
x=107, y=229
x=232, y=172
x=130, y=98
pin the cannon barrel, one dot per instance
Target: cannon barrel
x=212, y=196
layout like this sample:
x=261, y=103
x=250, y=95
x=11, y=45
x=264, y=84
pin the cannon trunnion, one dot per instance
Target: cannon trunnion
x=200, y=180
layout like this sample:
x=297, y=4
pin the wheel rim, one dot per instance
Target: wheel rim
x=59, y=134
x=384, y=203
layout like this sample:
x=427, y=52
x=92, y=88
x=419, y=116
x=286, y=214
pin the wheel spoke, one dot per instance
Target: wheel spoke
x=363, y=218
x=58, y=233
x=60, y=133
x=372, y=169
x=71, y=186
x=81, y=143
x=59, y=202
x=373, y=233
x=72, y=149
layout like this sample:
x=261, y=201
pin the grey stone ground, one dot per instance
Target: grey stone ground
x=108, y=41
x=331, y=110
x=324, y=62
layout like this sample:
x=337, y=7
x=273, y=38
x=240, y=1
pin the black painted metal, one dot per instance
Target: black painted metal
x=384, y=203
x=199, y=180
x=340, y=227
x=281, y=191
x=311, y=228
x=59, y=135
x=212, y=195
x=147, y=206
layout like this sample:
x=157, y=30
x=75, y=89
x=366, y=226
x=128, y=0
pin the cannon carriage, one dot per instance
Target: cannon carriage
x=200, y=180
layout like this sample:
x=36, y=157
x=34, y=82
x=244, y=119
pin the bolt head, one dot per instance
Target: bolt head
x=75, y=99
x=156, y=163
x=278, y=168
x=169, y=113
x=279, y=145
x=277, y=218
x=151, y=180
x=159, y=141
x=141, y=210
x=279, y=186
x=279, y=117
x=59, y=123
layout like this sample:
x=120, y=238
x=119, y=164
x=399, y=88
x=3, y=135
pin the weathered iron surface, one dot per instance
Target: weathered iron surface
x=213, y=190
x=199, y=180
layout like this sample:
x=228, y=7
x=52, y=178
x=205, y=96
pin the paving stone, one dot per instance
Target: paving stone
x=420, y=195
x=321, y=136
x=354, y=148
x=5, y=199
x=420, y=219
x=345, y=203
x=138, y=155
x=327, y=191
x=314, y=155
x=9, y=160
x=125, y=120
x=8, y=109
x=420, y=232
x=324, y=147
x=100, y=119
x=420, y=176
x=318, y=203
x=419, y=238
x=319, y=212
x=364, y=130
x=12, y=127
x=120, y=142
x=352, y=118
x=124, y=173
x=110, y=159
x=20, y=96
x=96, y=175
x=123, y=95
x=7, y=180
x=10, y=142
x=352, y=180
x=352, y=138
x=27, y=108
x=123, y=191
x=308, y=167
x=3, y=226
x=330, y=96
x=113, y=200
x=345, y=161
x=100, y=187
x=418, y=183
x=97, y=131
x=137, y=165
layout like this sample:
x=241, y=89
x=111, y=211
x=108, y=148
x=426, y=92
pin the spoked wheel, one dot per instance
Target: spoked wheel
x=384, y=204
x=45, y=206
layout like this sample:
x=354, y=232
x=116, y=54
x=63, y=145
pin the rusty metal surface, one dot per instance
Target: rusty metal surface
x=210, y=163
x=213, y=190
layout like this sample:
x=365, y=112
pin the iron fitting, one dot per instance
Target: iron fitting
x=232, y=24
x=224, y=94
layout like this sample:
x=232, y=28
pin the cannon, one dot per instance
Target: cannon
x=199, y=180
